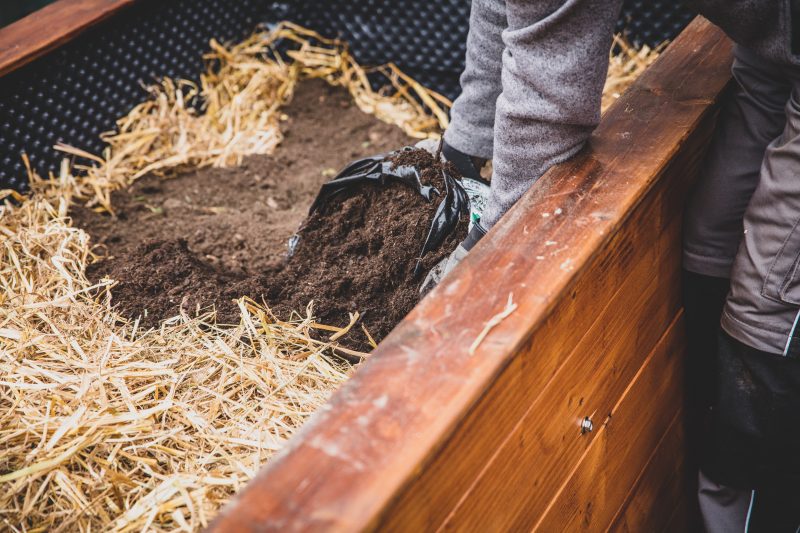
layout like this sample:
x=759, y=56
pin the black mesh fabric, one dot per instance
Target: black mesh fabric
x=428, y=39
x=79, y=90
x=76, y=92
x=425, y=39
x=652, y=22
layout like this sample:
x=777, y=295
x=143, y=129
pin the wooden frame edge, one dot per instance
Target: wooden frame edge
x=49, y=27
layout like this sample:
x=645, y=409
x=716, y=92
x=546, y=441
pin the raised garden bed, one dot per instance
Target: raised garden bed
x=433, y=433
x=157, y=407
x=536, y=332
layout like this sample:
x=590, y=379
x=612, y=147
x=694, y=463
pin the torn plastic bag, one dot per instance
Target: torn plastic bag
x=478, y=194
x=380, y=169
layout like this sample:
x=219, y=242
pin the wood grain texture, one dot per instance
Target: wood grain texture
x=665, y=490
x=50, y=27
x=426, y=434
x=577, y=364
x=572, y=369
x=637, y=275
x=546, y=444
x=622, y=448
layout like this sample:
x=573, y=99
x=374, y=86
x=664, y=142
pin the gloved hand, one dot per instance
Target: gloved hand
x=469, y=166
x=443, y=267
x=477, y=191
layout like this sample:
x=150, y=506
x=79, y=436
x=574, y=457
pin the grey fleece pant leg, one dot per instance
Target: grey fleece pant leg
x=554, y=68
x=471, y=127
x=552, y=59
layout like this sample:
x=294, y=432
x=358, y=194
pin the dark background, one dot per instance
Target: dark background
x=11, y=10
x=76, y=92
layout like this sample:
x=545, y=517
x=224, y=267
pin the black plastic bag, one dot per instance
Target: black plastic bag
x=381, y=169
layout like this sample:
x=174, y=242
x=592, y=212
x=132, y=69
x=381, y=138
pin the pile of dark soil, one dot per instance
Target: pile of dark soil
x=210, y=236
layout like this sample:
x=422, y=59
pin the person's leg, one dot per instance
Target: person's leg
x=755, y=436
x=751, y=116
x=765, y=284
x=768, y=510
x=724, y=509
x=754, y=439
x=471, y=129
x=554, y=67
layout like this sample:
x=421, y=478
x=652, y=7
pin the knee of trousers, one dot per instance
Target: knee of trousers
x=710, y=241
x=712, y=231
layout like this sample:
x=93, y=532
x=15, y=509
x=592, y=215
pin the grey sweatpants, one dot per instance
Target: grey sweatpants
x=531, y=88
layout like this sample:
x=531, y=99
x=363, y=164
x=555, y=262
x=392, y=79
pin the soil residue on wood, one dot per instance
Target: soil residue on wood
x=210, y=236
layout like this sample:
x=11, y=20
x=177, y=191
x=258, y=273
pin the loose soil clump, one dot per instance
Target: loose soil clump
x=210, y=236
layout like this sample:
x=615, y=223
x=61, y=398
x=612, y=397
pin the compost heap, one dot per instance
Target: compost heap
x=211, y=237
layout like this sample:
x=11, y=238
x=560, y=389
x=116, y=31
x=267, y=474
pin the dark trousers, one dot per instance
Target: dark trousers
x=744, y=421
x=742, y=297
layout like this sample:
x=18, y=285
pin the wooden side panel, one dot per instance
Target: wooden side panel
x=541, y=409
x=431, y=435
x=545, y=442
x=639, y=274
x=663, y=494
x=623, y=447
x=48, y=28
x=599, y=338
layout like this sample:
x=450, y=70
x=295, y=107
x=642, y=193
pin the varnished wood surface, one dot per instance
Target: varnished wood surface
x=661, y=490
x=598, y=485
x=427, y=435
x=610, y=322
x=48, y=28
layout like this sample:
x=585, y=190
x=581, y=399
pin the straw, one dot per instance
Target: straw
x=107, y=426
x=625, y=64
x=240, y=95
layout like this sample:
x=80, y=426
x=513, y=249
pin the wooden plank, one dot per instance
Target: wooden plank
x=601, y=481
x=637, y=280
x=369, y=446
x=546, y=442
x=663, y=489
x=50, y=27
x=543, y=440
x=528, y=385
